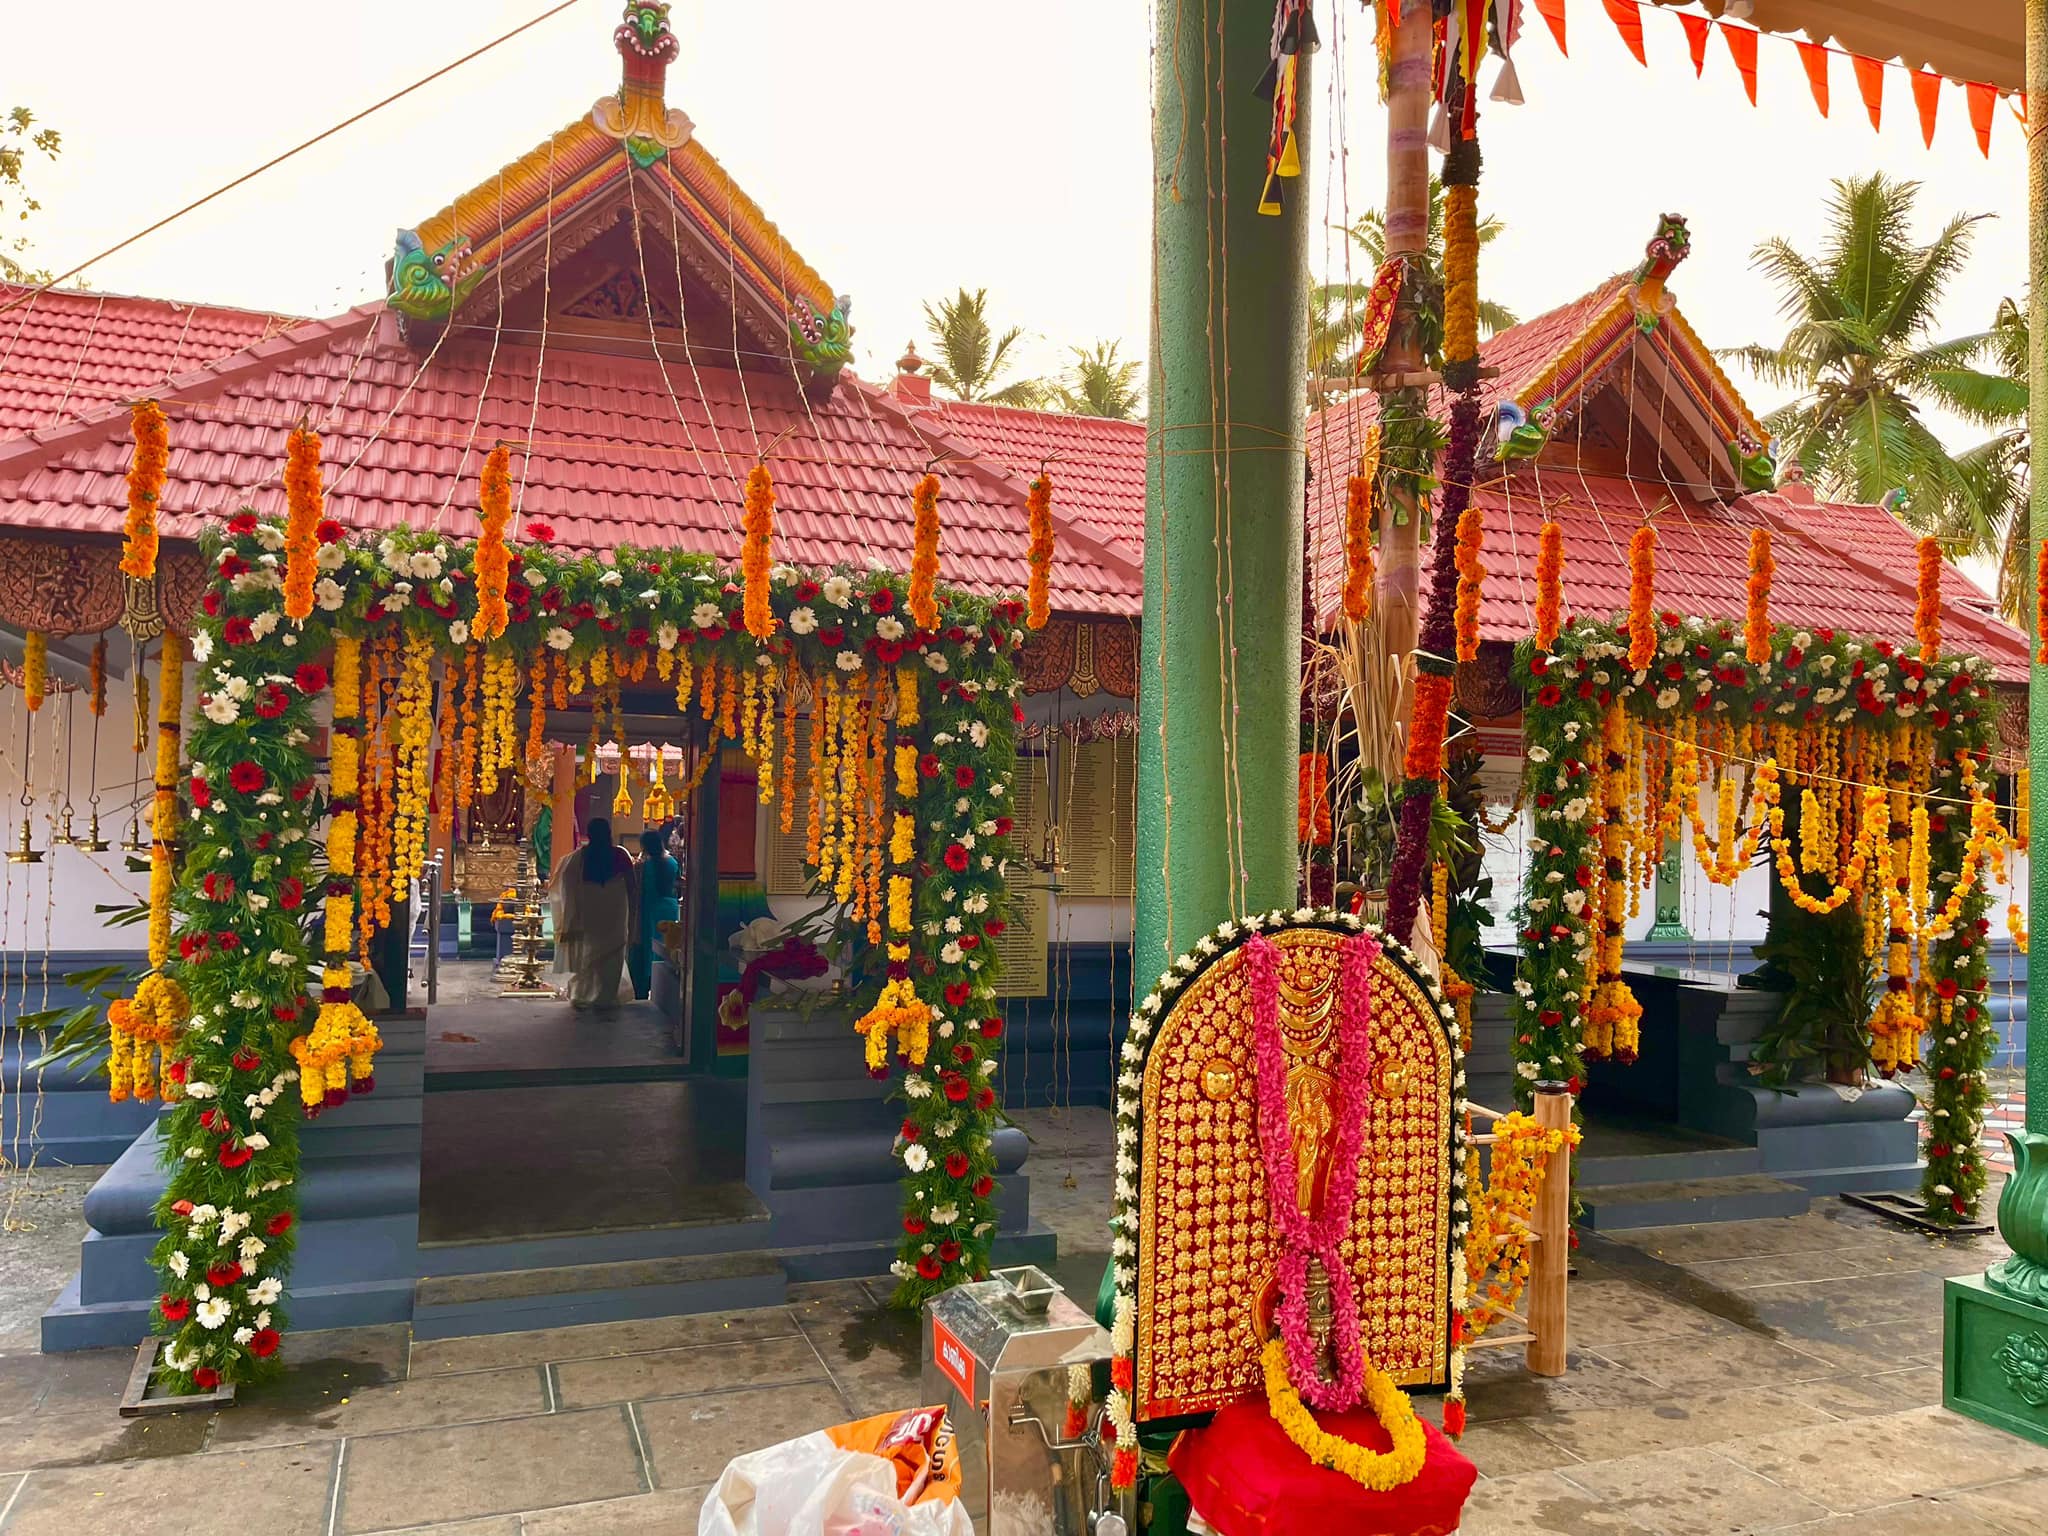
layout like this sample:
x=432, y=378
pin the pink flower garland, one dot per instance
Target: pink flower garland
x=1300, y=1237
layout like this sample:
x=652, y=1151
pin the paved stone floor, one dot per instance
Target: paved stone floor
x=1762, y=1376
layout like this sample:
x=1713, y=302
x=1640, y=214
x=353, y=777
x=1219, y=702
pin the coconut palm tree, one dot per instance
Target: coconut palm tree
x=1991, y=522
x=971, y=357
x=1863, y=358
x=1337, y=310
x=1099, y=383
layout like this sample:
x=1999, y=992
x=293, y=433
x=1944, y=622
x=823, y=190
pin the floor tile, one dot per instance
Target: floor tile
x=675, y=1372
x=97, y=1435
x=1916, y=1517
x=1715, y=1361
x=660, y=1513
x=1693, y=1491
x=1511, y=1447
x=1598, y=1434
x=1621, y=1311
x=690, y=1439
x=434, y=1357
x=1866, y=1463
x=423, y=1475
x=281, y=1490
x=1539, y=1504
x=2018, y=1506
x=430, y=1401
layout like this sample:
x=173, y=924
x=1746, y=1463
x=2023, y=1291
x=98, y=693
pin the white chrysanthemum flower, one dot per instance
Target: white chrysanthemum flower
x=836, y=590
x=666, y=635
x=610, y=579
x=266, y=1291
x=847, y=661
x=915, y=1157
x=178, y=1263
x=706, y=616
x=213, y=1313
x=458, y=632
x=559, y=639
x=221, y=709
x=802, y=621
x=935, y=660
x=889, y=627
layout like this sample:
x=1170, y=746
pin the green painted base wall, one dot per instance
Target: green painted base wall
x=1995, y=1362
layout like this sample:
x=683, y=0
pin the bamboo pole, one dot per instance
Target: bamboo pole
x=1553, y=1225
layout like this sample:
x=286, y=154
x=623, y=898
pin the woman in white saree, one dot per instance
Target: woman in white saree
x=596, y=900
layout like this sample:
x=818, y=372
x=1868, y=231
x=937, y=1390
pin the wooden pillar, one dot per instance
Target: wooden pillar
x=1553, y=1214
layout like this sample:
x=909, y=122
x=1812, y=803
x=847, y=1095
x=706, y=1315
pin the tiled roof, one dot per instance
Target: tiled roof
x=64, y=352
x=619, y=455
x=1099, y=475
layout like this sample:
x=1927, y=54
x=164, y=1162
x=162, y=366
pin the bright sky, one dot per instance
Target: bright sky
x=909, y=147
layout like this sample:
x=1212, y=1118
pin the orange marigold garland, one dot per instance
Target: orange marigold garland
x=493, y=559
x=1038, y=598
x=1471, y=574
x=96, y=679
x=1927, y=610
x=1549, y=584
x=2041, y=603
x=35, y=668
x=1642, y=593
x=146, y=473
x=924, y=560
x=1358, y=530
x=755, y=551
x=1756, y=628
x=304, y=501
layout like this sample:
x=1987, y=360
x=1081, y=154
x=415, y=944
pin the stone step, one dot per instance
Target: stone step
x=575, y=1250
x=1742, y=1197
x=511, y=1301
x=73, y=1324
x=1676, y=1167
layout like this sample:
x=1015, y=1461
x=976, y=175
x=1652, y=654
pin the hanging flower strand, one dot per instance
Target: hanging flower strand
x=2041, y=603
x=756, y=551
x=1927, y=609
x=1471, y=574
x=146, y=473
x=1642, y=593
x=1358, y=530
x=924, y=560
x=1038, y=597
x=304, y=501
x=493, y=560
x=1756, y=628
x=1549, y=585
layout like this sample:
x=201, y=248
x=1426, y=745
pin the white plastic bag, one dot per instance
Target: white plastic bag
x=817, y=1486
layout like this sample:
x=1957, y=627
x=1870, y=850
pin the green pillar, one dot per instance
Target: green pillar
x=1995, y=1325
x=1220, y=683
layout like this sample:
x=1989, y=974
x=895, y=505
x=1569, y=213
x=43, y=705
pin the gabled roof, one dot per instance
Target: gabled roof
x=1097, y=464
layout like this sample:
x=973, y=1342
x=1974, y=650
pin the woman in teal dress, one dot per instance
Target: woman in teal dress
x=660, y=902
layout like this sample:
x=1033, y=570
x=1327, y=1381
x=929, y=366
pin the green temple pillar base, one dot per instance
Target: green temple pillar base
x=1994, y=1365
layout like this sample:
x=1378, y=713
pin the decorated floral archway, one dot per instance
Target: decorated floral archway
x=907, y=727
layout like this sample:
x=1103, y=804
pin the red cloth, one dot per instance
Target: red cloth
x=1246, y=1478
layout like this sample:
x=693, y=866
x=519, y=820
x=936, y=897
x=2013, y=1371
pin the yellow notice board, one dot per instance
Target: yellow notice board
x=1021, y=947
x=1098, y=816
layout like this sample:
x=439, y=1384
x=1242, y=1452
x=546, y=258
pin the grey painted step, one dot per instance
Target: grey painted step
x=1036, y=1244
x=1745, y=1197
x=1707, y=1162
x=71, y=1324
x=1869, y=1179
x=515, y=1300
x=575, y=1249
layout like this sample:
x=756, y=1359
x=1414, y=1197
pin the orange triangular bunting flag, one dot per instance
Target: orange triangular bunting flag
x=1552, y=11
x=1870, y=83
x=1815, y=57
x=1627, y=16
x=1927, y=97
x=1696, y=29
x=1982, y=98
x=1742, y=49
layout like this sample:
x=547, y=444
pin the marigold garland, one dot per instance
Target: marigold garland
x=305, y=504
x=2041, y=603
x=1358, y=562
x=1461, y=271
x=146, y=475
x=1497, y=1244
x=1549, y=584
x=1381, y=1471
x=1642, y=593
x=756, y=551
x=924, y=560
x=96, y=679
x=1927, y=605
x=1756, y=625
x=1471, y=574
x=1038, y=596
x=35, y=668
x=413, y=709
x=493, y=560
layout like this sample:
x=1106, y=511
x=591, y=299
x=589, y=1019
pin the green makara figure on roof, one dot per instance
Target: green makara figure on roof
x=428, y=286
x=824, y=342
x=1670, y=245
x=1756, y=464
x=1520, y=434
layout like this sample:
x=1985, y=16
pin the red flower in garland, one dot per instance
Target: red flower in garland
x=232, y=1156
x=210, y=604
x=963, y=775
x=956, y=858
x=963, y=1053
x=206, y=1378
x=246, y=778
x=996, y=927
x=232, y=566
x=956, y=1088
x=1549, y=696
x=217, y=886
x=949, y=1251
x=957, y=993
x=192, y=946
x=220, y=1275
x=227, y=941
x=834, y=634
x=175, y=1308
x=246, y=1060
x=928, y=1267
x=237, y=632
x=956, y=1165
x=541, y=533
x=264, y=1343
x=910, y=1130
x=279, y=1224
x=291, y=893
x=984, y=1186
x=242, y=524
x=882, y=600
x=914, y=1225
x=985, y=1099
x=274, y=702
x=202, y=792
x=992, y=1029
x=310, y=678
x=929, y=765
x=329, y=531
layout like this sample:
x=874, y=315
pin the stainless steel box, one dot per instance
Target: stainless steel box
x=998, y=1354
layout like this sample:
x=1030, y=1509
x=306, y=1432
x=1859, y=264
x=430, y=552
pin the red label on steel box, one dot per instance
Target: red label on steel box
x=953, y=1359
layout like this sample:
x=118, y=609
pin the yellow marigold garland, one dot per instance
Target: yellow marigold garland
x=493, y=559
x=1038, y=595
x=35, y=668
x=1358, y=529
x=1497, y=1242
x=1471, y=574
x=1461, y=271
x=756, y=551
x=1756, y=626
x=146, y=474
x=413, y=708
x=2041, y=603
x=1381, y=1471
x=304, y=501
x=1549, y=584
x=924, y=559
